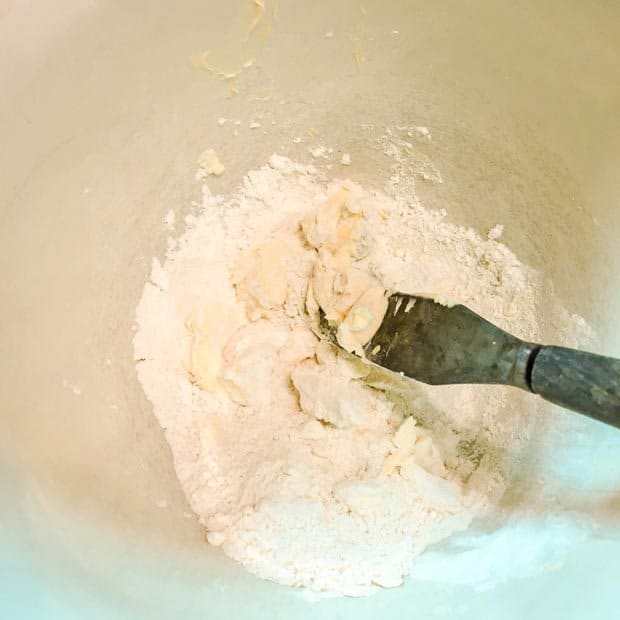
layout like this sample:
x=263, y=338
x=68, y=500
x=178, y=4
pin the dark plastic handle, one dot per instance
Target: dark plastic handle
x=584, y=382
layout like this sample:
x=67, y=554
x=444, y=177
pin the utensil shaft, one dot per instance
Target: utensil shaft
x=584, y=382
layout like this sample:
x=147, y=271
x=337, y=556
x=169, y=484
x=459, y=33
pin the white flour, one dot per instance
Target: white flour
x=301, y=462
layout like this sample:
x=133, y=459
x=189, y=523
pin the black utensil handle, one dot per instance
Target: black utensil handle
x=584, y=382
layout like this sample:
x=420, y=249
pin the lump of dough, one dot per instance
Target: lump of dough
x=337, y=399
x=418, y=460
x=252, y=366
x=300, y=345
x=413, y=444
x=336, y=290
x=339, y=227
x=348, y=295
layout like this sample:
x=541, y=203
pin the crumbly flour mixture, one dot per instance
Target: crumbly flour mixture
x=304, y=463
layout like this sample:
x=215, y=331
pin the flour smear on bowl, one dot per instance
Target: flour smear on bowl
x=303, y=463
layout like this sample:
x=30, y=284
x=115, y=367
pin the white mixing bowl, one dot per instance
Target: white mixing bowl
x=103, y=113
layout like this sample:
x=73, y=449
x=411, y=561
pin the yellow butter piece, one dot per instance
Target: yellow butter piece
x=210, y=328
x=363, y=320
x=206, y=362
x=260, y=277
x=211, y=163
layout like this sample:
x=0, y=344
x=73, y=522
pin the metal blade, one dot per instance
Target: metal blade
x=440, y=344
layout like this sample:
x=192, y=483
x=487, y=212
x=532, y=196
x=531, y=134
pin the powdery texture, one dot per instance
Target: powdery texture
x=303, y=463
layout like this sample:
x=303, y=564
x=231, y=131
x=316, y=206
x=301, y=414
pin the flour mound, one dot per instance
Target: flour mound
x=304, y=463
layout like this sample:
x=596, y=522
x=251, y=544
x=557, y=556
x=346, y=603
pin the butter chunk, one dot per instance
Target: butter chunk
x=363, y=320
x=260, y=278
x=210, y=328
x=210, y=163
